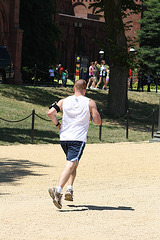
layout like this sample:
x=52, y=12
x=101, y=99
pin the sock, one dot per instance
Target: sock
x=70, y=187
x=59, y=189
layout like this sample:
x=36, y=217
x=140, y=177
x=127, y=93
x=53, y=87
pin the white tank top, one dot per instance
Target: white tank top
x=76, y=117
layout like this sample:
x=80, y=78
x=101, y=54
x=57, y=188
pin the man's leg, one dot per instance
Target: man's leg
x=55, y=193
x=67, y=173
x=69, y=193
x=72, y=151
x=72, y=176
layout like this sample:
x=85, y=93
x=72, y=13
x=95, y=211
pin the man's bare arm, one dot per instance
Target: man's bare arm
x=95, y=114
x=52, y=114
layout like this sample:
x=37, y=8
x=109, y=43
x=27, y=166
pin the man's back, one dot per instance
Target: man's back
x=76, y=117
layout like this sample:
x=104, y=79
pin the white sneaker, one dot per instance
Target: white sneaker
x=56, y=197
x=69, y=195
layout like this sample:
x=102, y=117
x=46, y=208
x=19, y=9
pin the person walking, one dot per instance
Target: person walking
x=63, y=78
x=96, y=71
x=148, y=81
x=51, y=75
x=130, y=79
x=59, y=71
x=77, y=112
x=107, y=78
x=95, y=74
x=102, y=74
x=91, y=78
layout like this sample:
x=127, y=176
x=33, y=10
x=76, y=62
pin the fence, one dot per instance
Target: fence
x=39, y=77
x=127, y=117
x=33, y=114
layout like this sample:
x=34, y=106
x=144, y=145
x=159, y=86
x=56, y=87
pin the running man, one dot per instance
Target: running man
x=77, y=112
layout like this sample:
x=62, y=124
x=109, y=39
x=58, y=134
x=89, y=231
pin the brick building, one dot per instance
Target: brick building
x=11, y=34
x=80, y=25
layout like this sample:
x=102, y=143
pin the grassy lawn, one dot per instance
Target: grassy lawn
x=17, y=102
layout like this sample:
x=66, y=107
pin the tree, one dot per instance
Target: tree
x=117, y=51
x=149, y=38
x=40, y=33
x=116, y=45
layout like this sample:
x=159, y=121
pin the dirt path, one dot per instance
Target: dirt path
x=116, y=197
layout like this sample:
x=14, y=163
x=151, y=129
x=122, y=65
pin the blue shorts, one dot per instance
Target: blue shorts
x=73, y=149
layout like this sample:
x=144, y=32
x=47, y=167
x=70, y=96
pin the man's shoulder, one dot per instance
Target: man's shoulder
x=86, y=99
x=69, y=97
x=74, y=97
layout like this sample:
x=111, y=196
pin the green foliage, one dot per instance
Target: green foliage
x=149, y=37
x=114, y=28
x=130, y=5
x=39, y=34
x=125, y=5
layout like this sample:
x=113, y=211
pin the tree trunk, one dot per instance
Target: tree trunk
x=117, y=54
x=117, y=99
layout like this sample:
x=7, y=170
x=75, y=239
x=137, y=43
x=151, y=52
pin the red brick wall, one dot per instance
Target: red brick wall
x=11, y=34
x=79, y=26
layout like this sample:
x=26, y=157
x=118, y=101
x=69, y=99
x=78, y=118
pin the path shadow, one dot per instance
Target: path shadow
x=81, y=208
x=12, y=170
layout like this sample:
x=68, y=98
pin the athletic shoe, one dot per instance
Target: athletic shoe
x=69, y=195
x=56, y=197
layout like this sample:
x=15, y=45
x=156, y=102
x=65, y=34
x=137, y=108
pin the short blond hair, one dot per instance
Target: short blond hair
x=80, y=85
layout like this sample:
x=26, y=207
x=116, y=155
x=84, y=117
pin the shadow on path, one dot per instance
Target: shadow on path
x=96, y=208
x=12, y=170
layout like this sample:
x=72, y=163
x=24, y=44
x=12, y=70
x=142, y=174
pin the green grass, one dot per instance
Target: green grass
x=17, y=102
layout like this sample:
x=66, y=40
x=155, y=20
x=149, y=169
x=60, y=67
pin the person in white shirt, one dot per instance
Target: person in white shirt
x=51, y=75
x=102, y=74
x=77, y=112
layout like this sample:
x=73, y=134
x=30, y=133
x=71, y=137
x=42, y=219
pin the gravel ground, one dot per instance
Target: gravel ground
x=116, y=193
